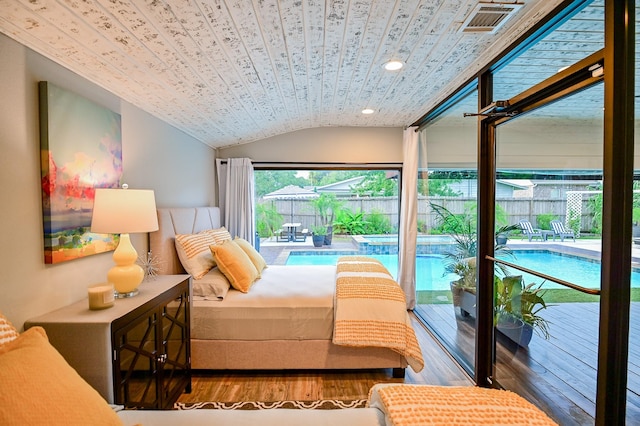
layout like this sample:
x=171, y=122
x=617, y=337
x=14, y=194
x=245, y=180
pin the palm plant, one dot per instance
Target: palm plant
x=462, y=228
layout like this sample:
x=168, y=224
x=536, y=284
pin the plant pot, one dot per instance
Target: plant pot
x=318, y=240
x=515, y=331
x=500, y=240
x=329, y=236
x=464, y=300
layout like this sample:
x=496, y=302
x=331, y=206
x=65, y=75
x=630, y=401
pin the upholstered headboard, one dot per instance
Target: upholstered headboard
x=179, y=220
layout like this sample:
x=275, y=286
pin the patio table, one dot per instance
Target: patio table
x=291, y=229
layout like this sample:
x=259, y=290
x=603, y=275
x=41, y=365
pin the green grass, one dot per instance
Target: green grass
x=551, y=296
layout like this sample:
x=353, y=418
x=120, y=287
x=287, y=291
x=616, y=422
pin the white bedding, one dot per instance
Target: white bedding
x=286, y=303
x=274, y=417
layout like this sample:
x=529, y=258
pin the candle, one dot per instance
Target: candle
x=101, y=296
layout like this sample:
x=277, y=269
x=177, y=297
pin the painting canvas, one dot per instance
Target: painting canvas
x=81, y=149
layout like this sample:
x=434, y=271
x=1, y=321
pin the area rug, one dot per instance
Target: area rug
x=325, y=404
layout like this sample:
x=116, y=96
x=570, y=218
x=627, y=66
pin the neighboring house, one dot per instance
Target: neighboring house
x=340, y=189
x=468, y=188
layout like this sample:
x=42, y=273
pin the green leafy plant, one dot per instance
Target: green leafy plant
x=574, y=221
x=462, y=228
x=377, y=223
x=544, y=220
x=514, y=299
x=267, y=219
x=351, y=223
x=319, y=230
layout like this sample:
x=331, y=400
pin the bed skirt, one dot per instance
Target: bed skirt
x=289, y=355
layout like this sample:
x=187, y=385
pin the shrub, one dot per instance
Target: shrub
x=544, y=220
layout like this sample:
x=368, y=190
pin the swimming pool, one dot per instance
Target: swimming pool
x=430, y=269
x=388, y=244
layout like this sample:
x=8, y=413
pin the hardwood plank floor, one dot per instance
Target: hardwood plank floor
x=236, y=386
x=558, y=375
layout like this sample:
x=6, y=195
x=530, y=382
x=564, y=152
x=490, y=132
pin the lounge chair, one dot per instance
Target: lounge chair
x=529, y=230
x=560, y=231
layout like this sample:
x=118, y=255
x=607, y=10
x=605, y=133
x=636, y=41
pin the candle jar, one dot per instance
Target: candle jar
x=101, y=296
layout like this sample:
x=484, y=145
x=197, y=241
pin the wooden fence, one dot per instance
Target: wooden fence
x=302, y=211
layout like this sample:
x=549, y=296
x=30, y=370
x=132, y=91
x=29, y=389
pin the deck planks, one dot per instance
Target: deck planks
x=559, y=375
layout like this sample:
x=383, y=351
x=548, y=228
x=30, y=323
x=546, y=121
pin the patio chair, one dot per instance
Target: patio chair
x=560, y=231
x=530, y=231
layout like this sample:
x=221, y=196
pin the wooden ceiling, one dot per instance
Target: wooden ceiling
x=236, y=71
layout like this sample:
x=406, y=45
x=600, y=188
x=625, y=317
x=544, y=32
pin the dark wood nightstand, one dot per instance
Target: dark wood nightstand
x=138, y=352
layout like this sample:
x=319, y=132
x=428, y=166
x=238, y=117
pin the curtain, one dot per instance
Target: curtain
x=408, y=216
x=236, y=197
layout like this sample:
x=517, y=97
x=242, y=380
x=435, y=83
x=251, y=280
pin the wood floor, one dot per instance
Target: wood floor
x=559, y=374
x=236, y=386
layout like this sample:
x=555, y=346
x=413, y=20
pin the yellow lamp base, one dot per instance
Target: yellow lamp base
x=126, y=275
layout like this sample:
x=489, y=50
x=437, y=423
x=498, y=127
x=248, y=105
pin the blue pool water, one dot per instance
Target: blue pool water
x=430, y=270
x=422, y=239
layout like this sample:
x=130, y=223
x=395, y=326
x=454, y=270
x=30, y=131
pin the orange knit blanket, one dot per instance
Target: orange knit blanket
x=413, y=405
x=371, y=310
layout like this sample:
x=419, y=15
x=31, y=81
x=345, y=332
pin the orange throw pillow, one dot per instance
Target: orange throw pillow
x=256, y=258
x=235, y=265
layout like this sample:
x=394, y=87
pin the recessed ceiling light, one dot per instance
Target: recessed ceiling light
x=368, y=111
x=393, y=65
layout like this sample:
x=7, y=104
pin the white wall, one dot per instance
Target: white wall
x=325, y=145
x=155, y=155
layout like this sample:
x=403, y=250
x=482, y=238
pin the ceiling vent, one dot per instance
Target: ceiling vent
x=488, y=17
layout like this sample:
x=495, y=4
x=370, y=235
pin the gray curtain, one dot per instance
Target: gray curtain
x=236, y=195
x=409, y=216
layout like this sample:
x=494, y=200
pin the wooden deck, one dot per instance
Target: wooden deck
x=559, y=374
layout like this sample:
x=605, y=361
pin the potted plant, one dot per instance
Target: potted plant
x=462, y=228
x=517, y=309
x=319, y=232
x=503, y=233
x=326, y=206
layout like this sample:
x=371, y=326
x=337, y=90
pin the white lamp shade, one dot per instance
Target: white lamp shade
x=124, y=211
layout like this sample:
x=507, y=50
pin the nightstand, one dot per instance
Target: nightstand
x=135, y=354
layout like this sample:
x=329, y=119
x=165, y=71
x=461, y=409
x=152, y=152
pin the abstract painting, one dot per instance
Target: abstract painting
x=81, y=150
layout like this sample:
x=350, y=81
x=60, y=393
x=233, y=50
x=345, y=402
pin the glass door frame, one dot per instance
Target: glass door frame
x=618, y=61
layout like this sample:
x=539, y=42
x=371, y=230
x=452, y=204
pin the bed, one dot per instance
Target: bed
x=241, y=333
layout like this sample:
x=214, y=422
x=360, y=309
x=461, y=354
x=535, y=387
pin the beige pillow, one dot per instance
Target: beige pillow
x=214, y=285
x=235, y=265
x=40, y=388
x=193, y=251
x=7, y=331
x=256, y=258
x=220, y=235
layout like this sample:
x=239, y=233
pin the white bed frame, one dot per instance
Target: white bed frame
x=256, y=355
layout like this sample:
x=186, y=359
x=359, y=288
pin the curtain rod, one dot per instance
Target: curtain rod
x=320, y=164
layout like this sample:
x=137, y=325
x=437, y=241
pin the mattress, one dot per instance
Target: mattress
x=286, y=303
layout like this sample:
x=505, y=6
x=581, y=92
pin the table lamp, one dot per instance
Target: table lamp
x=124, y=211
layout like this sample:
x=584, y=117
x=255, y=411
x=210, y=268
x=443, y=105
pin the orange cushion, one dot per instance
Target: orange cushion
x=235, y=265
x=256, y=258
x=40, y=388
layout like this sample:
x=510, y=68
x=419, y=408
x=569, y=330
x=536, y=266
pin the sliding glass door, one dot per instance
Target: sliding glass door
x=546, y=292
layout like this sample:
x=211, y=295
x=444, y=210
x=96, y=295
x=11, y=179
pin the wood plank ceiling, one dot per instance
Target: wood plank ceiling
x=236, y=71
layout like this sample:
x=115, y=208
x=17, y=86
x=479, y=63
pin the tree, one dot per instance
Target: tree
x=269, y=180
x=376, y=183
